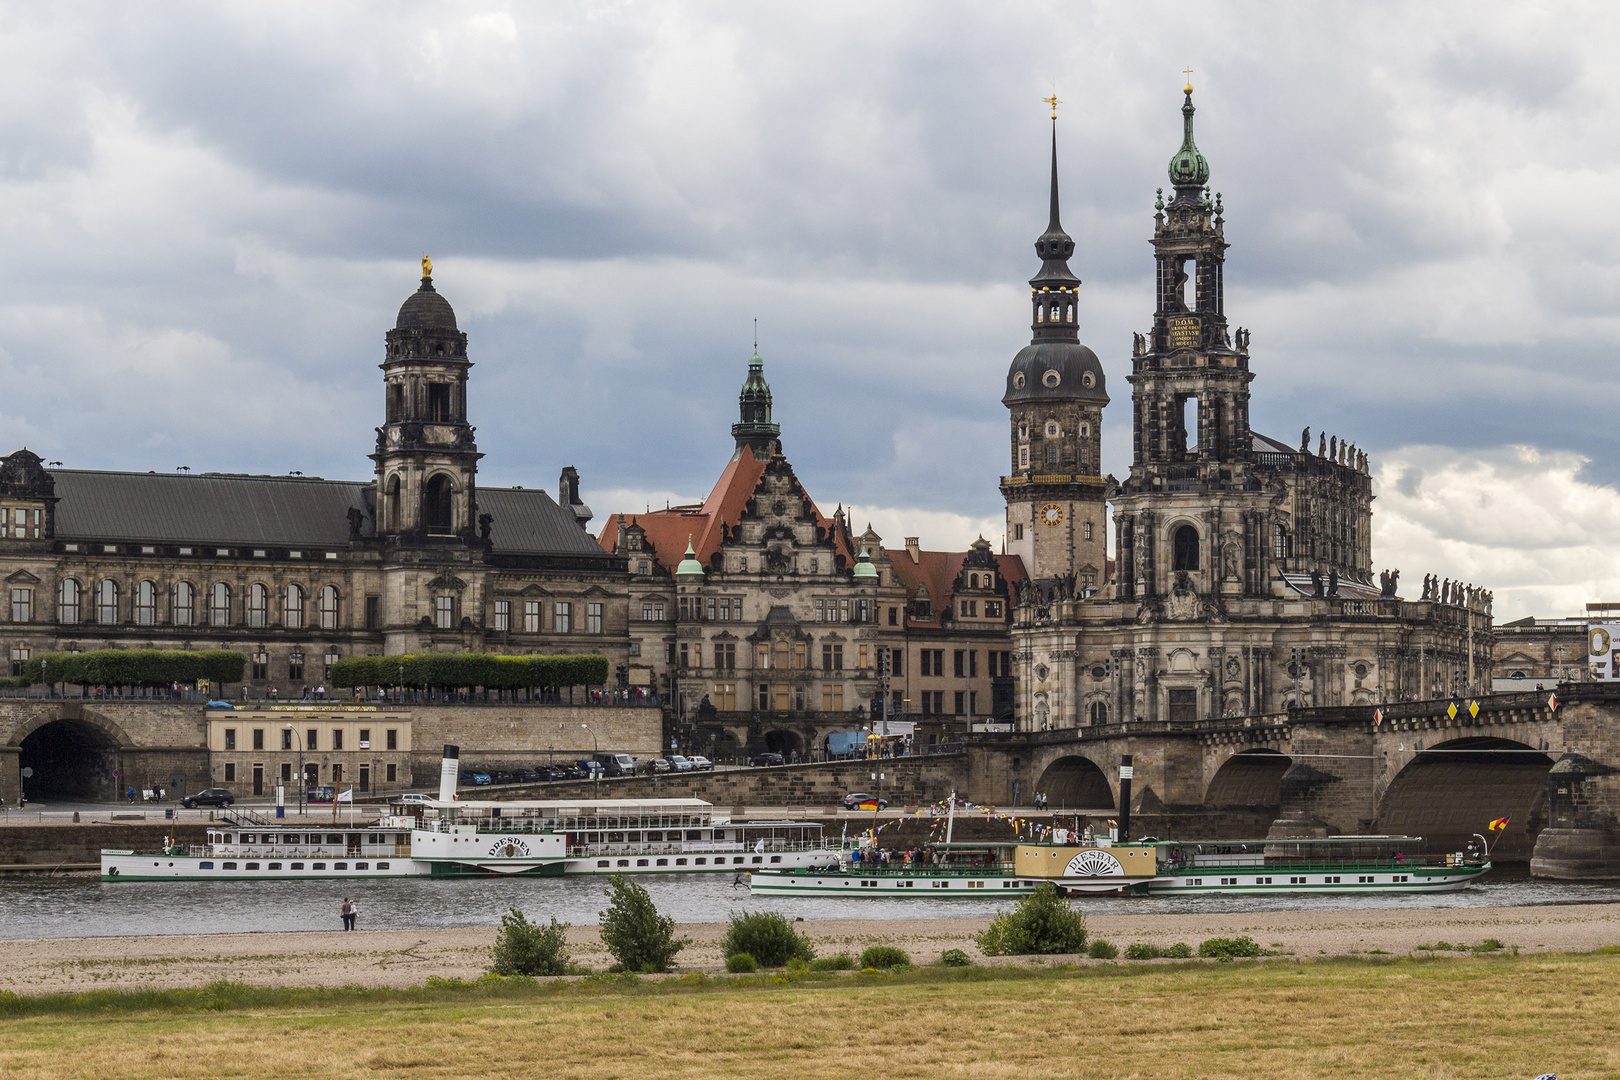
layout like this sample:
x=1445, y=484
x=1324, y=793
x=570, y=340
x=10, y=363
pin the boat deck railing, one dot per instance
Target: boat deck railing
x=1318, y=866
x=693, y=847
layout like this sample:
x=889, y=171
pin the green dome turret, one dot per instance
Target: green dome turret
x=754, y=426
x=689, y=565
x=1188, y=169
x=864, y=570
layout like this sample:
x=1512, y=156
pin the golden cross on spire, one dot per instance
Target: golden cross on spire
x=1054, y=102
x=1188, y=88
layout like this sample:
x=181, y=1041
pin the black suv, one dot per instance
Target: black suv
x=760, y=760
x=214, y=796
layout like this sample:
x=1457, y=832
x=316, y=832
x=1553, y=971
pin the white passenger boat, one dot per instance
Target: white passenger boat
x=447, y=837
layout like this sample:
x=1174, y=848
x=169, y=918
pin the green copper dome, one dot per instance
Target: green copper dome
x=689, y=565
x=864, y=570
x=1188, y=168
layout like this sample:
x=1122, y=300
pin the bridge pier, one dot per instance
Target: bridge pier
x=1329, y=786
x=1582, y=842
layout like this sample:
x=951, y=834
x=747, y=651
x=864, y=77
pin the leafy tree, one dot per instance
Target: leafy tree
x=1043, y=922
x=525, y=948
x=639, y=938
x=767, y=937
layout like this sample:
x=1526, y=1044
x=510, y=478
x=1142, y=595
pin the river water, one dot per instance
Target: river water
x=31, y=907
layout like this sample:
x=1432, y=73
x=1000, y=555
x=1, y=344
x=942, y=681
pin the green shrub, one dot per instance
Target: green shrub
x=1225, y=948
x=1141, y=950
x=136, y=667
x=955, y=958
x=1043, y=922
x=841, y=962
x=1179, y=951
x=1102, y=950
x=768, y=937
x=526, y=948
x=741, y=963
x=883, y=957
x=467, y=670
x=1490, y=944
x=639, y=938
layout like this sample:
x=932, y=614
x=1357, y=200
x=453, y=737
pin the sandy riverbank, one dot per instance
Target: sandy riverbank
x=407, y=957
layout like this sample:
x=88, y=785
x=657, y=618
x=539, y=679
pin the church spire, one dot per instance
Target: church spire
x=1189, y=172
x=754, y=426
x=1054, y=289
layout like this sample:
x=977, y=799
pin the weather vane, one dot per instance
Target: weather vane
x=1054, y=102
x=1188, y=88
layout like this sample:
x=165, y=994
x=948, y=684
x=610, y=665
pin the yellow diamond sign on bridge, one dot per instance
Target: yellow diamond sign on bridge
x=1473, y=708
x=1451, y=711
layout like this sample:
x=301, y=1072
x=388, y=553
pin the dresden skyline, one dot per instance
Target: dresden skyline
x=212, y=217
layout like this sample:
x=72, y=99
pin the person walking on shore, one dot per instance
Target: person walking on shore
x=347, y=911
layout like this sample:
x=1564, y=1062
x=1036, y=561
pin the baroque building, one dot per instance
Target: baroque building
x=770, y=625
x=1242, y=580
x=297, y=572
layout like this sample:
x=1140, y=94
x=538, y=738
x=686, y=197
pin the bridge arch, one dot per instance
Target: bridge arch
x=1452, y=790
x=75, y=759
x=1075, y=782
x=785, y=742
x=1250, y=778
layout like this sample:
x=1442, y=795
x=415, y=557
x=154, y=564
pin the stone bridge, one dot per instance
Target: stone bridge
x=1438, y=769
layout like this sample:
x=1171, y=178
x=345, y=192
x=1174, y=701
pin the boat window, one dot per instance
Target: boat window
x=663, y=862
x=635, y=837
x=680, y=862
x=252, y=866
x=227, y=866
x=694, y=834
x=615, y=838
x=601, y=862
x=317, y=866
x=361, y=865
x=641, y=862
x=290, y=838
x=205, y=866
x=702, y=862
x=774, y=858
x=382, y=866
x=247, y=838
x=297, y=866
x=225, y=839
x=652, y=836
x=274, y=866
x=334, y=838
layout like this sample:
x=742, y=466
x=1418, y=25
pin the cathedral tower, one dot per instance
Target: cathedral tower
x=1056, y=508
x=427, y=460
x=754, y=426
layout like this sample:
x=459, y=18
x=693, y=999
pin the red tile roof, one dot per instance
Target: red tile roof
x=938, y=570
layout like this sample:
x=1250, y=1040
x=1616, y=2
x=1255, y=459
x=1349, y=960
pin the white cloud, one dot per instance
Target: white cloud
x=1523, y=523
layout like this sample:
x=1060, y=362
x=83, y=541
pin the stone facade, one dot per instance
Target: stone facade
x=296, y=572
x=1243, y=581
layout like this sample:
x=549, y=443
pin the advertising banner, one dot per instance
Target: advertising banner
x=1603, y=651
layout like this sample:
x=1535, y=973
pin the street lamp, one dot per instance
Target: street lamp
x=596, y=748
x=45, y=674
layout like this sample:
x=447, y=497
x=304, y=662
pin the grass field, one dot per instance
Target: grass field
x=1475, y=1017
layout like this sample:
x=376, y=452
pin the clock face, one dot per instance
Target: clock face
x=1051, y=514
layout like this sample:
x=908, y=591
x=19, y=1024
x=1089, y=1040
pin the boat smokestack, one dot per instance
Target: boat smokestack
x=1125, y=774
x=449, y=771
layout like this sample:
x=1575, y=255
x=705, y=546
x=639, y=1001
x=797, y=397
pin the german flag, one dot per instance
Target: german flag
x=1500, y=823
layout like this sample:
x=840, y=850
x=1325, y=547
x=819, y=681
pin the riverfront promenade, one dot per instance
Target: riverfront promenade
x=407, y=957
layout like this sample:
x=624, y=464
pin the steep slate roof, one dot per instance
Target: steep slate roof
x=668, y=529
x=937, y=570
x=215, y=508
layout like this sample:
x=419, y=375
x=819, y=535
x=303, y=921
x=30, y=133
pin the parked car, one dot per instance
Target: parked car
x=762, y=760
x=678, y=762
x=701, y=763
x=414, y=798
x=590, y=770
x=658, y=765
x=617, y=764
x=503, y=778
x=482, y=778
x=856, y=800
x=214, y=796
x=530, y=776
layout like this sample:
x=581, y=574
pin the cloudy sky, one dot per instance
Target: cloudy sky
x=209, y=215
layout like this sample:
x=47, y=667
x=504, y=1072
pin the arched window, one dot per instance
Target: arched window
x=145, y=604
x=1069, y=313
x=1085, y=431
x=1040, y=313
x=1185, y=541
x=258, y=606
x=292, y=611
x=219, y=604
x=391, y=500
x=1085, y=531
x=973, y=581
x=329, y=608
x=67, y=601
x=107, y=602
x=1099, y=712
x=1279, y=542
x=182, y=603
x=437, y=498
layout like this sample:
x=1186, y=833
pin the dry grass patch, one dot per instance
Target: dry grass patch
x=1495, y=1017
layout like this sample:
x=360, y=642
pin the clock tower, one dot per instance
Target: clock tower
x=1056, y=496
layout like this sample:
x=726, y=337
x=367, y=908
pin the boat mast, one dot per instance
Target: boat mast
x=950, y=819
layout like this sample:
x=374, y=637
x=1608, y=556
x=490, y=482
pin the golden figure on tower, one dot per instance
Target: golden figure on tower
x=427, y=266
x=1053, y=101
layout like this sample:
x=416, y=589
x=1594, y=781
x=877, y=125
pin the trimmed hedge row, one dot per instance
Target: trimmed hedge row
x=432, y=671
x=136, y=667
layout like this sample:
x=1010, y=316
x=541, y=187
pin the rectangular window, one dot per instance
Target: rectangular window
x=960, y=659
x=19, y=657
x=230, y=738
x=444, y=612
x=561, y=617
x=973, y=664
x=258, y=738
x=832, y=657
x=762, y=656
x=373, y=616
x=725, y=610
x=646, y=612
x=710, y=608
x=832, y=697
x=295, y=665
x=894, y=616
x=863, y=658
x=503, y=615
x=736, y=609
x=961, y=701
x=230, y=772
x=293, y=608
x=393, y=774
x=973, y=703
x=725, y=655
x=330, y=659
x=531, y=616
x=821, y=614
x=635, y=648
x=897, y=663
x=286, y=769
x=365, y=780
x=864, y=611
x=309, y=739
x=22, y=605
x=843, y=610
x=365, y=738
x=337, y=738
x=593, y=618
x=725, y=696
x=765, y=696
x=1018, y=532
x=686, y=656
x=286, y=739
x=391, y=740
x=800, y=656
x=261, y=666
x=669, y=652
